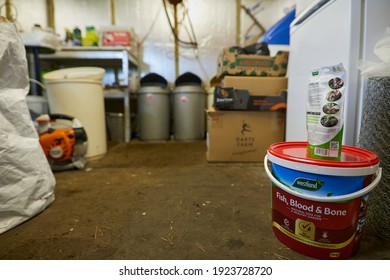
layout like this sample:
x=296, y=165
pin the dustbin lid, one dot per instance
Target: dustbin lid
x=188, y=89
x=86, y=73
x=188, y=78
x=153, y=79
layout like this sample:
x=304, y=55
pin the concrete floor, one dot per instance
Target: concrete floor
x=159, y=201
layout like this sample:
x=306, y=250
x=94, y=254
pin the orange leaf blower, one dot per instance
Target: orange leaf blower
x=64, y=146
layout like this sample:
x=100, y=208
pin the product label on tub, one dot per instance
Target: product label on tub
x=318, y=224
x=317, y=184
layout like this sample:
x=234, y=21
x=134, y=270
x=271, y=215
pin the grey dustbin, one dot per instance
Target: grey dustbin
x=189, y=112
x=153, y=113
x=115, y=122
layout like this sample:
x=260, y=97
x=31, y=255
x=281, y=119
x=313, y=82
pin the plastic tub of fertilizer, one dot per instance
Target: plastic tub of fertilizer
x=319, y=206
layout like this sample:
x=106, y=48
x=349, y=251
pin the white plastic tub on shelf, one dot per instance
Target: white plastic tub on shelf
x=89, y=73
x=78, y=92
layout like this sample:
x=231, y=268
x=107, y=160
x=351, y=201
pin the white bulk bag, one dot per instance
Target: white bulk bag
x=26, y=180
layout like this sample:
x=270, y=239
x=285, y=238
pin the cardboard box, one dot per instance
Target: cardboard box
x=242, y=136
x=270, y=86
x=236, y=99
x=230, y=62
x=251, y=93
x=116, y=38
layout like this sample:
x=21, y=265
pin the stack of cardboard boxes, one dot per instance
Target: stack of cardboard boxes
x=249, y=107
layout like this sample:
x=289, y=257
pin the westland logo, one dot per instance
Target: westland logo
x=308, y=184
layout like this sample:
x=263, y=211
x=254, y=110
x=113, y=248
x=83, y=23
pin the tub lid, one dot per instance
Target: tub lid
x=90, y=73
x=351, y=157
x=154, y=79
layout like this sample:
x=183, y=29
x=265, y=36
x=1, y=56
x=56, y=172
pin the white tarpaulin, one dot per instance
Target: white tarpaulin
x=26, y=180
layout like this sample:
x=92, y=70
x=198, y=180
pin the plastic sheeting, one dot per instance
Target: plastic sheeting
x=26, y=180
x=214, y=24
x=279, y=34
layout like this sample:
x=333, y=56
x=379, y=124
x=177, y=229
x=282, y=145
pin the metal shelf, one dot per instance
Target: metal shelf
x=115, y=93
x=105, y=57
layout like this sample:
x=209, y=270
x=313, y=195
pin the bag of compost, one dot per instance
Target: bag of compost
x=325, y=112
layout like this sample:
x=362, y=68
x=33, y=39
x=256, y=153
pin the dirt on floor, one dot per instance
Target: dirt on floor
x=151, y=201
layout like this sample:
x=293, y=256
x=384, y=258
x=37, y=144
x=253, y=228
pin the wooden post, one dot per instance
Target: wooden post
x=8, y=12
x=50, y=14
x=238, y=22
x=176, y=43
x=112, y=5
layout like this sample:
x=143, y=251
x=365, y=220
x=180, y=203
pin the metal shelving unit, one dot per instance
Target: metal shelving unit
x=105, y=57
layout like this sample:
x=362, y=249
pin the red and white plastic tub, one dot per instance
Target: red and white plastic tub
x=319, y=206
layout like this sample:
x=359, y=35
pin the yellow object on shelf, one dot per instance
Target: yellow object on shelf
x=91, y=38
